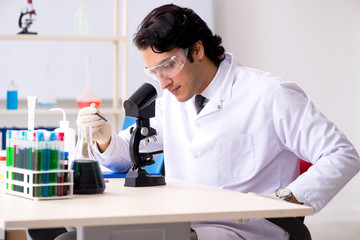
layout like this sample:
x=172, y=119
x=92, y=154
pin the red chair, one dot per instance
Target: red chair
x=295, y=226
x=304, y=166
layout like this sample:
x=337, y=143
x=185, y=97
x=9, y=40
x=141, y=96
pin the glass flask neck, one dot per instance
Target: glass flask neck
x=84, y=147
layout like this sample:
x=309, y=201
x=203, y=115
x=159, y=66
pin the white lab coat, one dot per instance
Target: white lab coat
x=248, y=138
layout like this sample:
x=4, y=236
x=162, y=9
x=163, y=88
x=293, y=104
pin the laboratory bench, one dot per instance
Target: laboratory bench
x=161, y=212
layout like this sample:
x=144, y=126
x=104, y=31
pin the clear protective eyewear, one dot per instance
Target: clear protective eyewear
x=169, y=67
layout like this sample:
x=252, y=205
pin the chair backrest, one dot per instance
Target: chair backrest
x=295, y=226
x=304, y=166
x=155, y=168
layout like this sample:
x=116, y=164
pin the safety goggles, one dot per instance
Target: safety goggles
x=169, y=67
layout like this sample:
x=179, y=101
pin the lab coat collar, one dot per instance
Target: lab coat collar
x=220, y=87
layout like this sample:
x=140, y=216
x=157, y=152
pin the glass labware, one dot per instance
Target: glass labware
x=88, y=178
x=88, y=96
x=12, y=96
x=46, y=100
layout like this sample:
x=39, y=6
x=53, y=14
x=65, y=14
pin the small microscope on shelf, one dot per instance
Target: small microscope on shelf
x=25, y=25
x=141, y=105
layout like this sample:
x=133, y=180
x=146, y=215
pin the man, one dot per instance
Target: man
x=249, y=136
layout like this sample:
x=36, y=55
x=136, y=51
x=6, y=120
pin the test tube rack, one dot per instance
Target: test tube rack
x=27, y=183
x=36, y=165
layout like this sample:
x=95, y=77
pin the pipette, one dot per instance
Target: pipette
x=31, y=112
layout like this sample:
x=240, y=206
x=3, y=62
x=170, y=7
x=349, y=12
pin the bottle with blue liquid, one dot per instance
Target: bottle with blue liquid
x=12, y=96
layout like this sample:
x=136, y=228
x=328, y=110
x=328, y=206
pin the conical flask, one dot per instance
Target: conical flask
x=88, y=96
x=88, y=178
x=46, y=100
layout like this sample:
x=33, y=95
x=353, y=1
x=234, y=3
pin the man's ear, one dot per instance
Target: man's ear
x=198, y=50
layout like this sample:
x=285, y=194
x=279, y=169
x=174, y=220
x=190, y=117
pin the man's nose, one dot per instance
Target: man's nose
x=164, y=82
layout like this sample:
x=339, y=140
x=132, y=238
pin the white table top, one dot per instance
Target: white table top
x=177, y=201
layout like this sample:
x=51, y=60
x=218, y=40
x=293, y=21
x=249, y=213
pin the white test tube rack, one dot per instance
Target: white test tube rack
x=27, y=185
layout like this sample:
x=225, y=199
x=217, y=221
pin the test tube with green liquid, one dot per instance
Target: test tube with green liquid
x=9, y=154
x=30, y=148
x=25, y=149
x=9, y=149
x=39, y=145
x=54, y=161
x=33, y=145
x=17, y=155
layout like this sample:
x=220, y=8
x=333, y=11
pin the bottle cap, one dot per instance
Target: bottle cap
x=61, y=136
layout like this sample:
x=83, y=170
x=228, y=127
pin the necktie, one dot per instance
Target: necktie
x=199, y=103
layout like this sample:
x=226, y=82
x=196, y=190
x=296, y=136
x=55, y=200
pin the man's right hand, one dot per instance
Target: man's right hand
x=101, y=129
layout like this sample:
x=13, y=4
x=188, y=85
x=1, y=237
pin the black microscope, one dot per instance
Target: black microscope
x=141, y=105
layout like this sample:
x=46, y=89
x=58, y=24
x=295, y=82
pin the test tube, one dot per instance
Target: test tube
x=9, y=149
x=54, y=152
x=32, y=139
x=31, y=112
x=17, y=154
x=54, y=161
x=39, y=136
x=14, y=135
x=61, y=164
x=45, y=164
x=24, y=149
x=9, y=154
x=17, y=149
x=29, y=151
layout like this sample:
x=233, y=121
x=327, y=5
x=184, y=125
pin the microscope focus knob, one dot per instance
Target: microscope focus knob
x=144, y=131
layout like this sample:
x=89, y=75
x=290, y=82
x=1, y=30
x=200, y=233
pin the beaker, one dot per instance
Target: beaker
x=88, y=178
x=88, y=96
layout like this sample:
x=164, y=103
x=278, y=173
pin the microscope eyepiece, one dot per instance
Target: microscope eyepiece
x=142, y=103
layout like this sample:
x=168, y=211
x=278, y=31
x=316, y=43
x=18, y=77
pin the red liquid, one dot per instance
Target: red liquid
x=87, y=104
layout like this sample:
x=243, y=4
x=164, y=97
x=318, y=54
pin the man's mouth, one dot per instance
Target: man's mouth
x=174, y=90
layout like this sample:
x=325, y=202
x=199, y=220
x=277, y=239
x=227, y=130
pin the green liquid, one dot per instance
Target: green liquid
x=38, y=159
x=9, y=156
x=29, y=156
x=54, y=159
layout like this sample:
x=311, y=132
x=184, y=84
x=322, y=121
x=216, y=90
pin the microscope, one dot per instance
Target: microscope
x=24, y=25
x=141, y=105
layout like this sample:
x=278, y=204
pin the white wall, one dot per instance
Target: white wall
x=313, y=43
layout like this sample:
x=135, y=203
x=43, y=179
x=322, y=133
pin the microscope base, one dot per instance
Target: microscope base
x=141, y=178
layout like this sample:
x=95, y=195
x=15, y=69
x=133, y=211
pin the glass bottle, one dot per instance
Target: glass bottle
x=46, y=100
x=88, y=178
x=12, y=96
x=88, y=96
x=81, y=22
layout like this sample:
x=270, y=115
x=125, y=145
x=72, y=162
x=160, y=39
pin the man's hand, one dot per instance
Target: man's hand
x=101, y=129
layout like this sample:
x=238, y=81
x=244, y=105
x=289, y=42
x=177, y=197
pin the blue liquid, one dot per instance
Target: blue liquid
x=46, y=105
x=11, y=100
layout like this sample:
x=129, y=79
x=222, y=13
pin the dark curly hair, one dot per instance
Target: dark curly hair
x=171, y=26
